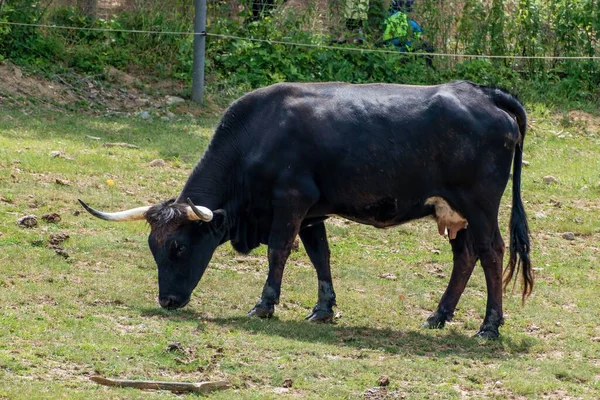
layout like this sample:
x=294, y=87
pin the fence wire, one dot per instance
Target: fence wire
x=299, y=44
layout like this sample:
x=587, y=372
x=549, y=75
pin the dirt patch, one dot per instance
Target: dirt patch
x=589, y=122
x=113, y=91
x=381, y=393
x=14, y=81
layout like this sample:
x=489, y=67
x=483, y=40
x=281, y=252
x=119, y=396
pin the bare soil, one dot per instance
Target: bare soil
x=113, y=91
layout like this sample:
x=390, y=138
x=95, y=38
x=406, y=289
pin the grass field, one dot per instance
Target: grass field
x=95, y=312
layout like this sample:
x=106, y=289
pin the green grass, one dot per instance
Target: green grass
x=62, y=320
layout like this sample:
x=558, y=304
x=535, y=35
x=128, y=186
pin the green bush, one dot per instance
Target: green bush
x=24, y=44
x=487, y=72
x=535, y=27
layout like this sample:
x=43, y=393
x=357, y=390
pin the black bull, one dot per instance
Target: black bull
x=285, y=157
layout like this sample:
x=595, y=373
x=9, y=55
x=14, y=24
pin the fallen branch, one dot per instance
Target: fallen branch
x=125, y=145
x=200, y=387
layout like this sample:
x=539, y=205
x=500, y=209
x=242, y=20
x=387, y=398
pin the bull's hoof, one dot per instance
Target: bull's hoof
x=261, y=311
x=488, y=333
x=319, y=315
x=436, y=320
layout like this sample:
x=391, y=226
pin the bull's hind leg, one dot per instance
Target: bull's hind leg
x=464, y=263
x=289, y=209
x=491, y=253
x=489, y=247
x=314, y=238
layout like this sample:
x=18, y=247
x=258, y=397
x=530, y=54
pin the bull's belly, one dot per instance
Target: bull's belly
x=388, y=212
x=380, y=219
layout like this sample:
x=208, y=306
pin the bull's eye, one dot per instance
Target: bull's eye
x=177, y=250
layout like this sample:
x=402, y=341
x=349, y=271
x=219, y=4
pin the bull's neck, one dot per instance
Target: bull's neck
x=215, y=178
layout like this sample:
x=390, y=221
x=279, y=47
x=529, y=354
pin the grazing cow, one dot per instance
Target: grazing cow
x=285, y=157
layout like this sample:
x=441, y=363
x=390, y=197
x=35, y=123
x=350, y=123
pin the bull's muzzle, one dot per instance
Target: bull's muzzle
x=172, y=302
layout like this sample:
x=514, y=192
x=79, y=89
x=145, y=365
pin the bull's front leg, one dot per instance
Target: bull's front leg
x=314, y=238
x=272, y=289
x=289, y=211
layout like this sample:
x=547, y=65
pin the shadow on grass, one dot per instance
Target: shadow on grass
x=419, y=342
x=170, y=139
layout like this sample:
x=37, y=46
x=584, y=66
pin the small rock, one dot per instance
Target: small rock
x=57, y=238
x=383, y=380
x=287, y=383
x=165, y=119
x=55, y=154
x=525, y=163
x=76, y=213
x=142, y=101
x=548, y=179
x=596, y=339
x=63, y=182
x=51, y=217
x=388, y=275
x=28, y=221
x=556, y=203
x=172, y=115
x=18, y=73
x=568, y=236
x=171, y=100
x=558, y=323
x=175, y=346
x=144, y=115
x=159, y=162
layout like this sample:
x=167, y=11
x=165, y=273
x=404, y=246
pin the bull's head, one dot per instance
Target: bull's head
x=183, y=238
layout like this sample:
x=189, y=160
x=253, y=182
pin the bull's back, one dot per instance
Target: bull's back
x=389, y=133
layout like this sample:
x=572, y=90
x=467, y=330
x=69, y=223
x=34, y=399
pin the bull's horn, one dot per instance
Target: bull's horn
x=196, y=213
x=134, y=214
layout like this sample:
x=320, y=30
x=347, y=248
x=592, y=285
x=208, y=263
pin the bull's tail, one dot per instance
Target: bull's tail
x=519, y=230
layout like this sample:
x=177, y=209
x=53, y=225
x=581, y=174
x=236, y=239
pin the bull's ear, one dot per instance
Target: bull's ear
x=219, y=218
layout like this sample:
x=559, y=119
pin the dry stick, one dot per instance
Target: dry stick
x=125, y=145
x=200, y=387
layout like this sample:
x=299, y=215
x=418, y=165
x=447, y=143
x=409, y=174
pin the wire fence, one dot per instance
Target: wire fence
x=527, y=29
x=299, y=44
x=255, y=43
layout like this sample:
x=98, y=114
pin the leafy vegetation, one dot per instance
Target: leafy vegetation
x=523, y=27
x=96, y=312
